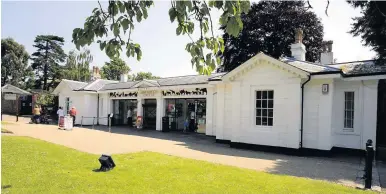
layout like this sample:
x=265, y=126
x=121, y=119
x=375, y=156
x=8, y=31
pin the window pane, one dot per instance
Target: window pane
x=265, y=112
x=270, y=121
x=264, y=104
x=258, y=120
x=258, y=103
x=258, y=112
x=258, y=95
x=270, y=94
x=270, y=103
x=270, y=112
x=264, y=121
x=265, y=94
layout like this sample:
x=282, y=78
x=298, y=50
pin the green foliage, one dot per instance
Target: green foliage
x=66, y=170
x=112, y=70
x=78, y=66
x=144, y=75
x=269, y=27
x=46, y=60
x=45, y=99
x=119, y=17
x=14, y=64
x=371, y=26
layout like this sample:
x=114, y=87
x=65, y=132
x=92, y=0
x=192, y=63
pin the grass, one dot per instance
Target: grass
x=35, y=166
x=4, y=130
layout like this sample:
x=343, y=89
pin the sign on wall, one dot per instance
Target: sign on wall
x=147, y=93
x=325, y=88
x=9, y=96
x=123, y=94
x=185, y=92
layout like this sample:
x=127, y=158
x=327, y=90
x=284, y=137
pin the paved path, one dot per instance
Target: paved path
x=122, y=140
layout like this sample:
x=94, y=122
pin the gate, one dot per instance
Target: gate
x=149, y=115
x=381, y=121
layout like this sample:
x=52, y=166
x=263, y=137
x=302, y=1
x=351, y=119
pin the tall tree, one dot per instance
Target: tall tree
x=112, y=70
x=47, y=58
x=371, y=26
x=118, y=16
x=14, y=63
x=77, y=66
x=269, y=27
x=144, y=75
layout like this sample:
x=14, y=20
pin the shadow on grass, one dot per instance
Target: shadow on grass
x=6, y=186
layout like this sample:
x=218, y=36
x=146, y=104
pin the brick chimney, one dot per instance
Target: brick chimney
x=95, y=73
x=298, y=50
x=327, y=56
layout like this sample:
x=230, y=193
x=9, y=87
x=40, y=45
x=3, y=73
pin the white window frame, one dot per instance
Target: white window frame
x=348, y=128
x=255, y=98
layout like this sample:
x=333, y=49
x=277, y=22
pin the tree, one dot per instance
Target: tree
x=47, y=58
x=77, y=66
x=119, y=16
x=144, y=75
x=14, y=63
x=371, y=26
x=269, y=27
x=112, y=70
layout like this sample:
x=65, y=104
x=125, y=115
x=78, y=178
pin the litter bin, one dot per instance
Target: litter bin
x=165, y=124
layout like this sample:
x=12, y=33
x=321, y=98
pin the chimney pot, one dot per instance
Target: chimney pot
x=298, y=50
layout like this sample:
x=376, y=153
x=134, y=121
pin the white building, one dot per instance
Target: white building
x=286, y=103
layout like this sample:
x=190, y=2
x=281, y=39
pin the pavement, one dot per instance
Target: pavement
x=97, y=140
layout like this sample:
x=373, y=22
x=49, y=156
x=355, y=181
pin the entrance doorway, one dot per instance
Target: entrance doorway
x=381, y=122
x=186, y=113
x=149, y=113
x=121, y=112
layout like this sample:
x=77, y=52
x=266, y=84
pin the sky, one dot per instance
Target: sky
x=163, y=51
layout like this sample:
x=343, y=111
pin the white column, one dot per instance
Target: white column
x=236, y=110
x=160, y=113
x=139, y=107
x=209, y=112
x=220, y=111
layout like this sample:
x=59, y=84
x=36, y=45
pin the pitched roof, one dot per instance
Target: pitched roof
x=309, y=66
x=74, y=85
x=96, y=85
x=168, y=81
x=8, y=88
x=357, y=68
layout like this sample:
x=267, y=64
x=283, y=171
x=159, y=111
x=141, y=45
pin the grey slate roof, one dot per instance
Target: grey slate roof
x=96, y=85
x=357, y=68
x=168, y=81
x=310, y=67
x=75, y=85
x=8, y=88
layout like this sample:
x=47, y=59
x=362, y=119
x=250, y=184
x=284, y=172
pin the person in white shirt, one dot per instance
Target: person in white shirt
x=129, y=117
x=60, y=113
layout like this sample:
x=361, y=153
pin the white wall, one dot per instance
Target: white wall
x=365, y=114
x=318, y=115
x=285, y=130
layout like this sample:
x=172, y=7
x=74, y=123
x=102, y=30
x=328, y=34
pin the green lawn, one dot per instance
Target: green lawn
x=3, y=129
x=35, y=166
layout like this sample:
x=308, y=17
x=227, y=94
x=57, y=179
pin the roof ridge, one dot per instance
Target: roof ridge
x=352, y=62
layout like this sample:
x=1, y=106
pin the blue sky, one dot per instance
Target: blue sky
x=163, y=52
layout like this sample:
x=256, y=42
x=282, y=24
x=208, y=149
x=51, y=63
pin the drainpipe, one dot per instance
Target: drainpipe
x=302, y=112
x=98, y=111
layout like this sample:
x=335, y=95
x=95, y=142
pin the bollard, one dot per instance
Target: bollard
x=109, y=124
x=93, y=120
x=369, y=164
x=81, y=122
x=17, y=117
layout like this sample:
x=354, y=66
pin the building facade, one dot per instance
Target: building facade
x=288, y=103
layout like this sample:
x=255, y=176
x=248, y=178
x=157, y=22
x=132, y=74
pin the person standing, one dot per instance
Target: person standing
x=129, y=117
x=73, y=115
x=60, y=114
x=36, y=113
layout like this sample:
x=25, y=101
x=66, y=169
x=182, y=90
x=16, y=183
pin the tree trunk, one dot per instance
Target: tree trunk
x=45, y=71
